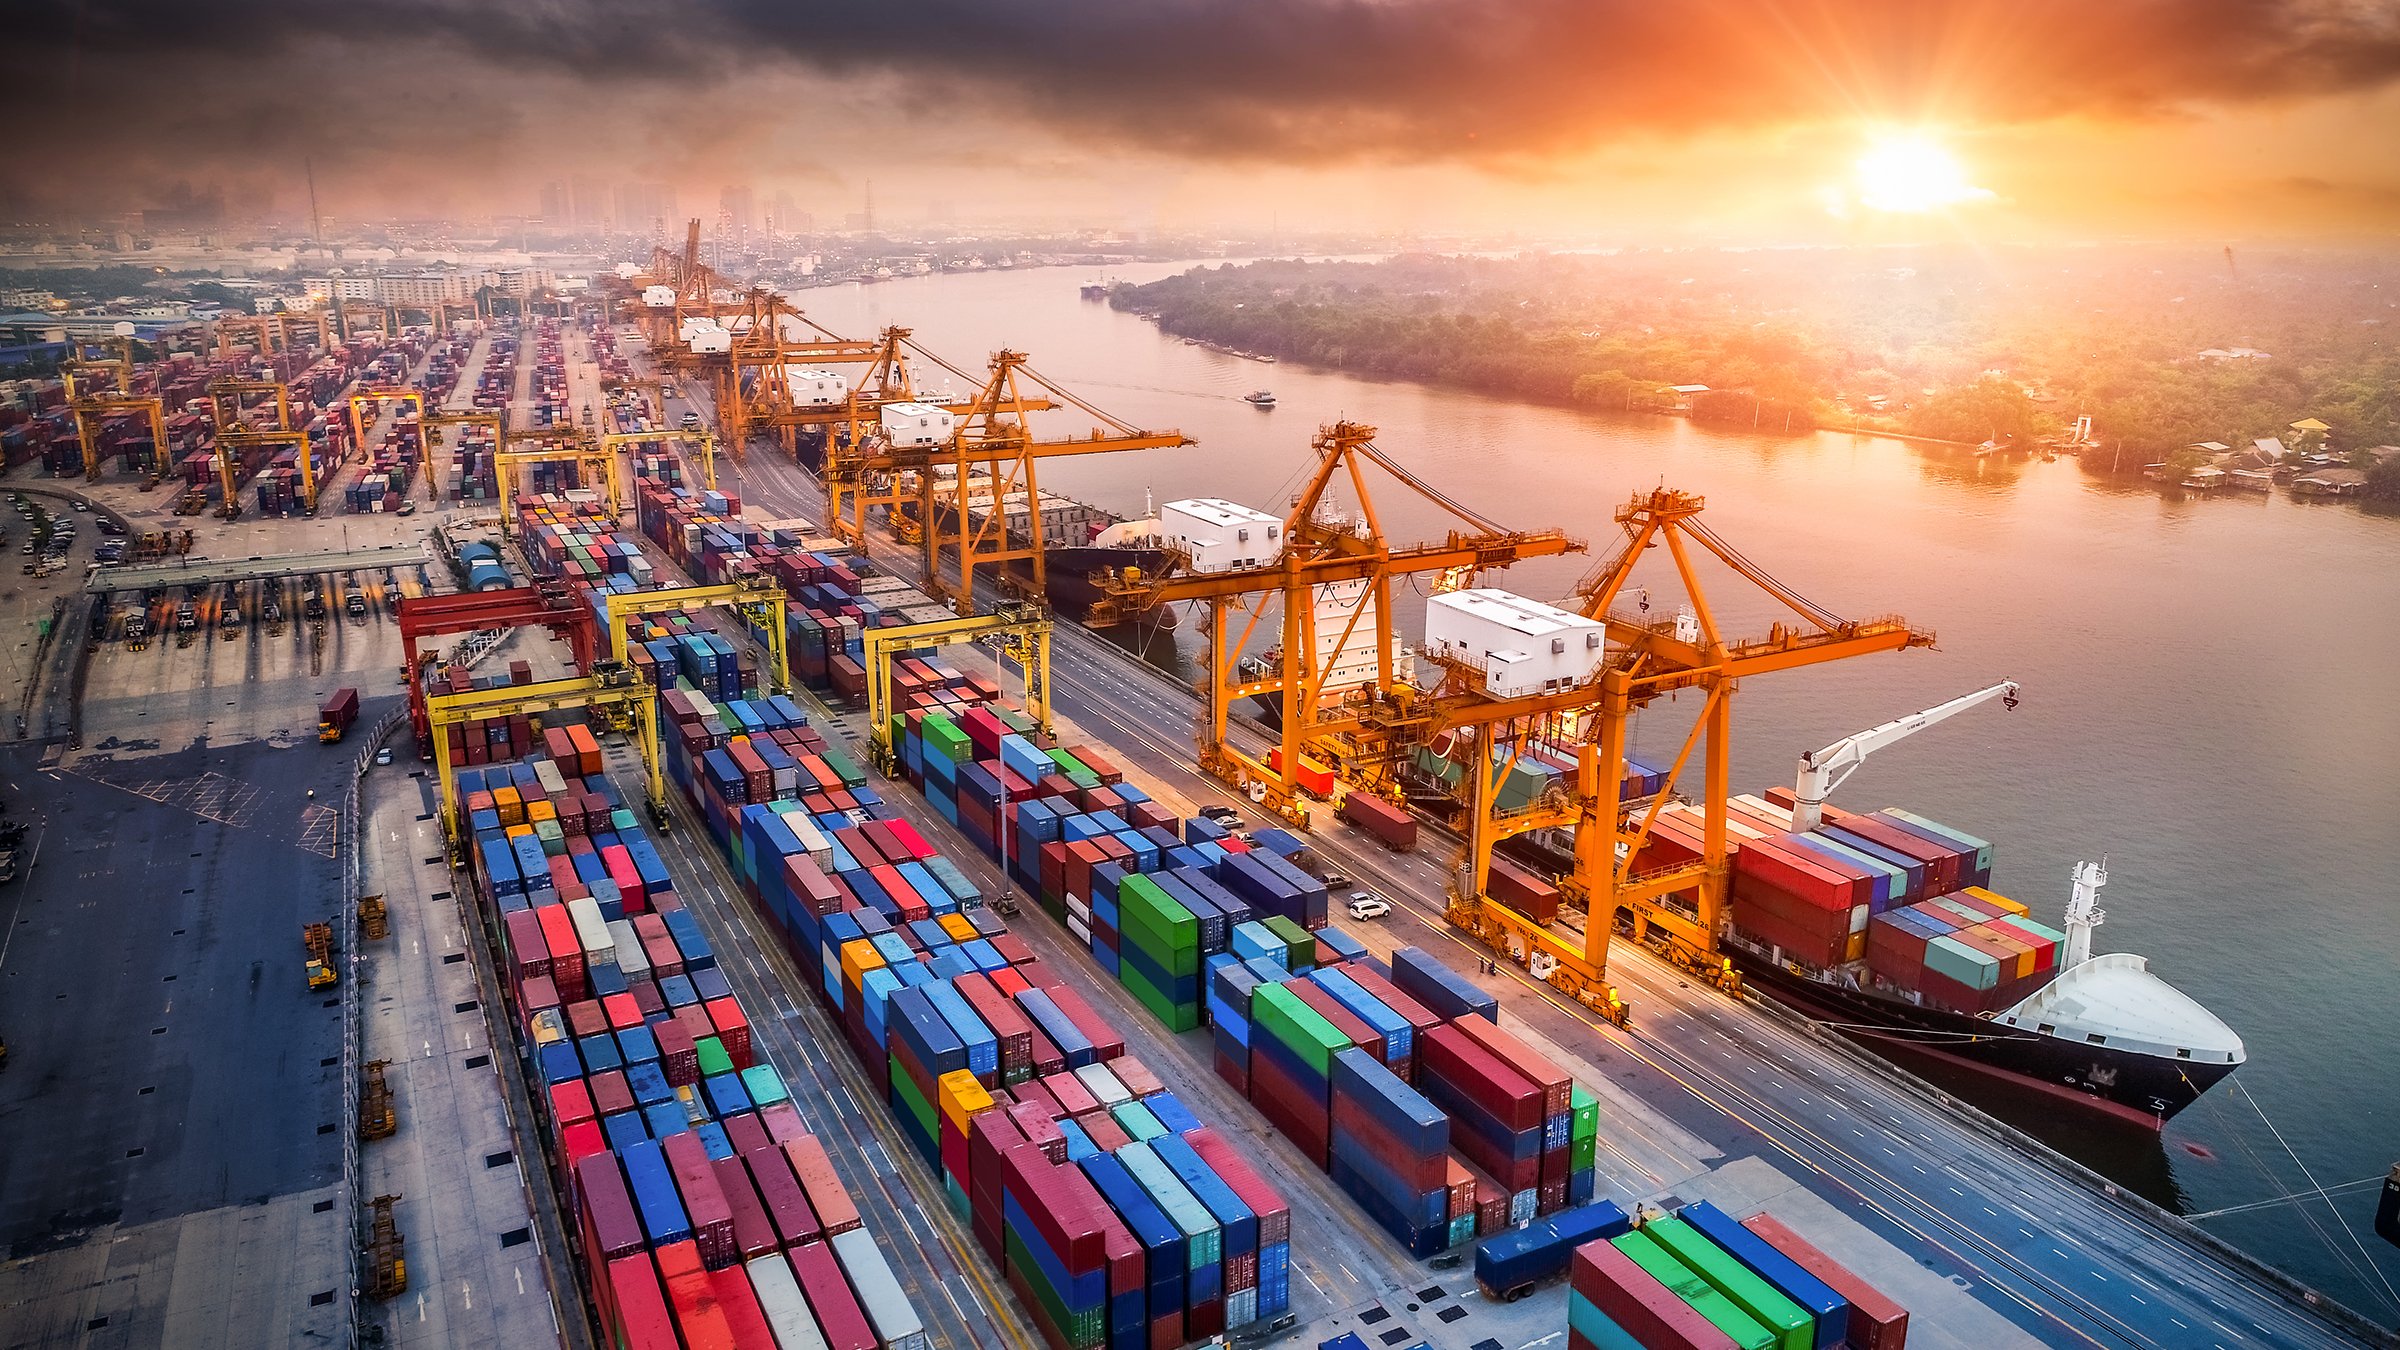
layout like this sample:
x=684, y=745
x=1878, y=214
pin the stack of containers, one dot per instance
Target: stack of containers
x=1970, y=952
x=705, y=1209
x=1292, y=1047
x=1497, y=1112
x=1008, y=1084
x=1700, y=1279
x=1158, y=950
x=1389, y=1150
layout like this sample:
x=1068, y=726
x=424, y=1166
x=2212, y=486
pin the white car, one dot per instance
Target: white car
x=1365, y=906
x=384, y=756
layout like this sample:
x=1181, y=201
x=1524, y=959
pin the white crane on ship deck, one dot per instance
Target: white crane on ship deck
x=1821, y=771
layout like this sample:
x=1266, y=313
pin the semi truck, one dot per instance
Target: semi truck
x=335, y=714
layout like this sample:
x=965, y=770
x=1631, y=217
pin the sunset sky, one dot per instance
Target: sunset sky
x=1734, y=119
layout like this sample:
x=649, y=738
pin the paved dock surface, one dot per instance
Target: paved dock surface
x=168, y=1116
x=475, y=1207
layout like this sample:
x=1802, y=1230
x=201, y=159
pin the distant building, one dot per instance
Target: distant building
x=2330, y=483
x=2209, y=447
x=2270, y=446
x=2234, y=354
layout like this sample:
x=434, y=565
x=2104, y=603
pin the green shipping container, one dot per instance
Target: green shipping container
x=1278, y=1012
x=1583, y=1145
x=1951, y=957
x=1300, y=945
x=1793, y=1328
x=1081, y=1331
x=1067, y=764
x=1699, y=1293
x=713, y=1059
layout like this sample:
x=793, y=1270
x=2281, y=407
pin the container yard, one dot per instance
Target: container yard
x=706, y=943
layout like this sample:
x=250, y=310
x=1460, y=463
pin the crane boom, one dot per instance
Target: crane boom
x=1821, y=771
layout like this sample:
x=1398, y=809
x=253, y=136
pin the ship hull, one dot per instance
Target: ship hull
x=2142, y=1090
x=1069, y=570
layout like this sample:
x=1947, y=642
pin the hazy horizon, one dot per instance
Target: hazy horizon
x=1844, y=121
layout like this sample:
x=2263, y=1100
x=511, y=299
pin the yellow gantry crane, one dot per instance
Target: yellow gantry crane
x=707, y=456
x=427, y=425
x=1646, y=657
x=594, y=462
x=763, y=605
x=225, y=401
x=1321, y=552
x=94, y=410
x=618, y=688
x=375, y=395
x=1021, y=631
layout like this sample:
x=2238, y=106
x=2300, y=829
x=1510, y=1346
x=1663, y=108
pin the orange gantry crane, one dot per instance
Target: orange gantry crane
x=1343, y=567
x=1646, y=657
x=993, y=442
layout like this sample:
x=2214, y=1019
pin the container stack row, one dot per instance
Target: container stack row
x=1394, y=1078
x=571, y=537
x=1701, y=1281
x=1117, y=1217
x=705, y=1213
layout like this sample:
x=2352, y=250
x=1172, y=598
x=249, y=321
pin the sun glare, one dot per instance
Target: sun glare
x=1911, y=172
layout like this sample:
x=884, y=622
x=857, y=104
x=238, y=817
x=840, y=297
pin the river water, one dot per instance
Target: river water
x=2211, y=691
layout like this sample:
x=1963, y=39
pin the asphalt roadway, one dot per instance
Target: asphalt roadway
x=2029, y=1240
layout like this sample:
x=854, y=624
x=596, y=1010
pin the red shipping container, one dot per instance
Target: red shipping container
x=529, y=949
x=678, y=1052
x=703, y=1199
x=733, y=1029
x=610, y=1094
x=1876, y=1323
x=780, y=1191
x=834, y=1209
x=844, y=1325
x=1106, y=1043
x=1448, y=1054
x=753, y=1233
x=1647, y=1310
x=698, y=1315
x=1810, y=876
x=605, y=1207
x=642, y=1319
x=739, y=1302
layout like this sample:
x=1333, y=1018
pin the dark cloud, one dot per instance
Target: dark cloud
x=1487, y=81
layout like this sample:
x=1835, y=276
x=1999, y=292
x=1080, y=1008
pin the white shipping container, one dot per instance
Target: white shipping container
x=912, y=426
x=1523, y=646
x=591, y=931
x=630, y=957
x=812, y=840
x=879, y=1294
x=1104, y=1086
x=786, y=1308
x=1221, y=536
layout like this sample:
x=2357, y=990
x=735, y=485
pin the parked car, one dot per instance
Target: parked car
x=1365, y=906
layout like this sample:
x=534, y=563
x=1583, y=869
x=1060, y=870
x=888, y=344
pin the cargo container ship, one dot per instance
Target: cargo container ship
x=1883, y=924
x=1081, y=542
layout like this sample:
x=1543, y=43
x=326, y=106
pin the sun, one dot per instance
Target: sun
x=1910, y=172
